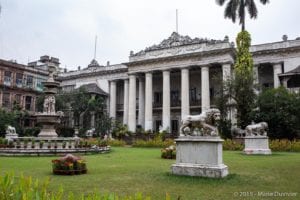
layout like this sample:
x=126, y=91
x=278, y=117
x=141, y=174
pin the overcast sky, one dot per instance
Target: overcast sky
x=66, y=28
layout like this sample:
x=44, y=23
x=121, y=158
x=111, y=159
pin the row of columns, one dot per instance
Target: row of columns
x=145, y=114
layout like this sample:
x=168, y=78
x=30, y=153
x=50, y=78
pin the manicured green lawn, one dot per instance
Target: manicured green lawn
x=130, y=170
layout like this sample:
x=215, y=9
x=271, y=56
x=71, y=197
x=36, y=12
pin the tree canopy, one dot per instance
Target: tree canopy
x=237, y=9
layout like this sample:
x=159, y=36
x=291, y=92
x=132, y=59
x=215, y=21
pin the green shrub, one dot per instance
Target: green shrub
x=169, y=152
x=156, y=142
x=32, y=132
x=65, y=131
x=232, y=145
x=275, y=145
x=116, y=143
x=285, y=145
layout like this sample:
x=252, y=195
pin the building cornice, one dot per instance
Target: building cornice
x=276, y=47
x=229, y=50
x=85, y=74
x=24, y=68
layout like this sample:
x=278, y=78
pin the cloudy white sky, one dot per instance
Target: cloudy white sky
x=66, y=28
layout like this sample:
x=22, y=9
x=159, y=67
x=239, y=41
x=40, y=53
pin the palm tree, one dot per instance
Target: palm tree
x=238, y=7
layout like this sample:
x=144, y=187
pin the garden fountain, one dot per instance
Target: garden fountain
x=49, y=117
x=48, y=142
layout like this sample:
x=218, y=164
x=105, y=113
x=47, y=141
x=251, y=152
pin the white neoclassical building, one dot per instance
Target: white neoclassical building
x=181, y=76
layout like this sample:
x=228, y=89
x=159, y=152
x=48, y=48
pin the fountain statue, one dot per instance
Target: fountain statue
x=49, y=117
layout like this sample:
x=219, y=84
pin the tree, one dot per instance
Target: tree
x=281, y=110
x=237, y=8
x=242, y=89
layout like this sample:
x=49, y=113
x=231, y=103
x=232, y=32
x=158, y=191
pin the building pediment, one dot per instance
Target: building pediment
x=179, y=45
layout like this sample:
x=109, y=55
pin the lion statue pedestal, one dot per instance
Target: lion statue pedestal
x=199, y=148
x=257, y=145
x=256, y=139
x=11, y=133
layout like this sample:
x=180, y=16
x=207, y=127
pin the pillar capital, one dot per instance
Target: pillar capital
x=277, y=63
x=204, y=67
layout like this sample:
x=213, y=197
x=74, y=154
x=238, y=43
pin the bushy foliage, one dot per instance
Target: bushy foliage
x=169, y=152
x=285, y=145
x=156, y=142
x=116, y=143
x=281, y=110
x=31, y=132
x=242, y=84
x=119, y=130
x=10, y=118
x=232, y=145
x=65, y=131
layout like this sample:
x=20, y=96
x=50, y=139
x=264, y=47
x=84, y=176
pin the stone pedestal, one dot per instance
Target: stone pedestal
x=199, y=156
x=11, y=136
x=257, y=145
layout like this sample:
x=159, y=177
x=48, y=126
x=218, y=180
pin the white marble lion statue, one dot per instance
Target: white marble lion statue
x=10, y=130
x=205, y=122
x=259, y=129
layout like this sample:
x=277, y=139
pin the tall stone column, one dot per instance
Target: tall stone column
x=113, y=99
x=255, y=74
x=166, y=112
x=92, y=119
x=33, y=103
x=148, y=102
x=205, y=97
x=132, y=103
x=141, y=116
x=71, y=119
x=226, y=71
x=277, y=69
x=231, y=114
x=185, y=93
x=126, y=96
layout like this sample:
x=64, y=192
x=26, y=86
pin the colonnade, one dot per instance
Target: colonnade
x=145, y=104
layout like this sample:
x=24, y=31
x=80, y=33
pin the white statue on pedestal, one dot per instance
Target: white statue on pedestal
x=11, y=133
x=258, y=129
x=49, y=104
x=205, y=123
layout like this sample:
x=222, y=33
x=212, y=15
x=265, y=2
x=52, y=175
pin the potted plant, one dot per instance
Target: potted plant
x=64, y=144
x=41, y=144
x=69, y=165
x=11, y=144
x=2, y=143
x=80, y=144
x=55, y=145
x=18, y=144
x=25, y=143
x=32, y=143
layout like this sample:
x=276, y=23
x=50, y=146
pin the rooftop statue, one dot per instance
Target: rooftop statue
x=203, y=124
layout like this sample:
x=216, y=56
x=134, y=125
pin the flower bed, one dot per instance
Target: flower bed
x=69, y=165
x=169, y=152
